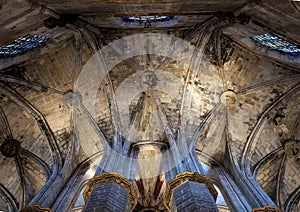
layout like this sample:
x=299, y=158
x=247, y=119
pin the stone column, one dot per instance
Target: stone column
x=109, y=192
x=192, y=163
x=190, y=191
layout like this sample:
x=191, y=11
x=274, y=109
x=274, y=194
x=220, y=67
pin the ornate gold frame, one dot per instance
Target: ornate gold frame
x=117, y=178
x=184, y=177
x=35, y=208
x=266, y=208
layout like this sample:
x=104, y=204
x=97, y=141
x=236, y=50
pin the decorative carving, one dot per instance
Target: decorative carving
x=184, y=177
x=35, y=208
x=229, y=98
x=112, y=177
x=10, y=148
x=267, y=209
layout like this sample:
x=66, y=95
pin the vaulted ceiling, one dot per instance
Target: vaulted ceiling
x=257, y=128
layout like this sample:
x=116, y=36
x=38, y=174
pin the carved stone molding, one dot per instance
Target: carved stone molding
x=229, y=98
x=35, y=208
x=267, y=209
x=183, y=178
x=112, y=177
x=10, y=148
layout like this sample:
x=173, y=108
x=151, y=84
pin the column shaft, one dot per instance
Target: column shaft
x=108, y=197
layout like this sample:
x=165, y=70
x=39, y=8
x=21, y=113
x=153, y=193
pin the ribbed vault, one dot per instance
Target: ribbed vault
x=239, y=107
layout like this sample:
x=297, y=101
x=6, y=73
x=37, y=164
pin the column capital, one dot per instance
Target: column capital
x=266, y=209
x=114, y=177
x=35, y=208
x=183, y=178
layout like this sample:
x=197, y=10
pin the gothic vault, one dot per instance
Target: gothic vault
x=149, y=105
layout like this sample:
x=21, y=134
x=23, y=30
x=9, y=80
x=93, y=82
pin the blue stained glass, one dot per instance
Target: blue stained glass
x=22, y=45
x=277, y=42
x=144, y=18
x=148, y=21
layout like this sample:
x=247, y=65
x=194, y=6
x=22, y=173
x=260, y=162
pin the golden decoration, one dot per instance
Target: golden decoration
x=267, y=209
x=35, y=208
x=183, y=178
x=117, y=178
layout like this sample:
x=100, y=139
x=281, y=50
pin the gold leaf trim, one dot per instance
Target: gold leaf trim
x=117, y=178
x=184, y=177
x=35, y=208
x=266, y=208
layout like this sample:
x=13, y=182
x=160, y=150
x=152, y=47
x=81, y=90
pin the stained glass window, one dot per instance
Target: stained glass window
x=22, y=45
x=151, y=18
x=277, y=42
x=147, y=21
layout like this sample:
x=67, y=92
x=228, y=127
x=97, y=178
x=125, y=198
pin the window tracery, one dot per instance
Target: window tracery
x=22, y=45
x=277, y=42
